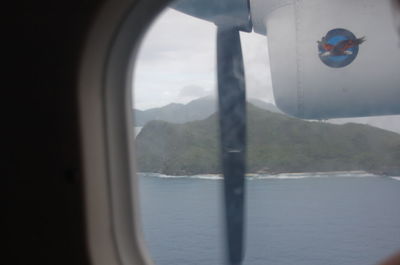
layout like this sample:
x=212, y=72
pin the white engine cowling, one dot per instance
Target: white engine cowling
x=321, y=67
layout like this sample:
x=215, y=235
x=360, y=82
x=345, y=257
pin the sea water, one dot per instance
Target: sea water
x=346, y=218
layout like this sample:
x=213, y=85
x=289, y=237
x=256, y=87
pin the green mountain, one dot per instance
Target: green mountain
x=276, y=143
x=197, y=109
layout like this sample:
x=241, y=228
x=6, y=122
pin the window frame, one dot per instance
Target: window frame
x=105, y=78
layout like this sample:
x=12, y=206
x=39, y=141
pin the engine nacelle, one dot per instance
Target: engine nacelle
x=331, y=59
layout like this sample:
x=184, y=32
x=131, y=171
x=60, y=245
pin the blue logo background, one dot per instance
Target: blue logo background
x=333, y=37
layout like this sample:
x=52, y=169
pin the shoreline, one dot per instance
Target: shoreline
x=353, y=173
x=280, y=176
x=389, y=172
x=274, y=173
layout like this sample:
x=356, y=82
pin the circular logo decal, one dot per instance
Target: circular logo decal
x=339, y=47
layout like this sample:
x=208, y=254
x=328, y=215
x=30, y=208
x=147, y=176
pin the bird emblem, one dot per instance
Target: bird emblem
x=343, y=47
x=339, y=47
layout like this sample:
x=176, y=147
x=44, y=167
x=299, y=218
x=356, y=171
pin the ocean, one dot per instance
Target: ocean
x=342, y=218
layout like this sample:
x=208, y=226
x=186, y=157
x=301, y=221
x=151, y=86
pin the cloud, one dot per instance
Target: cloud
x=179, y=51
x=387, y=122
x=257, y=70
x=193, y=91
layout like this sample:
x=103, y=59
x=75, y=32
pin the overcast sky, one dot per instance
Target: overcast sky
x=177, y=63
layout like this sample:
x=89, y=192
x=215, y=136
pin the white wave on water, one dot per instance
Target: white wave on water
x=208, y=176
x=396, y=178
x=158, y=175
x=253, y=176
x=302, y=175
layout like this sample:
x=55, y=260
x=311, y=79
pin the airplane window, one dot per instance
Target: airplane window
x=175, y=104
x=322, y=152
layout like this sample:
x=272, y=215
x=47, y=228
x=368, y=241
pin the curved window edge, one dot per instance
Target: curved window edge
x=111, y=199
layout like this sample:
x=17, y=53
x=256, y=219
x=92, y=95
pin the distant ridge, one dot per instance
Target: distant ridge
x=276, y=143
x=197, y=109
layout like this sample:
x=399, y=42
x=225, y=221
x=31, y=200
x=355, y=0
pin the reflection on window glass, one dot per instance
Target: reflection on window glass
x=318, y=191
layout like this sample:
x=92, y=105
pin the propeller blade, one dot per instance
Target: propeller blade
x=232, y=120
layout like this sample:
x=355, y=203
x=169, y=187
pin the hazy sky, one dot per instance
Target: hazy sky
x=177, y=63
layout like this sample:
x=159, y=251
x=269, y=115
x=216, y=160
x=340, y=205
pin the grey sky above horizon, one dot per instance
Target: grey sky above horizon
x=176, y=63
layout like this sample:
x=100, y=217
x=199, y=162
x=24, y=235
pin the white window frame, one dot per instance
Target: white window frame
x=105, y=78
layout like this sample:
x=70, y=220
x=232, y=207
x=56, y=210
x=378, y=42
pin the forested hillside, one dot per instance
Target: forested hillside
x=276, y=143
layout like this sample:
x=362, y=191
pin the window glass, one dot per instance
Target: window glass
x=175, y=105
x=318, y=191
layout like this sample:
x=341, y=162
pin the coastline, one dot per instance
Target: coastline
x=288, y=175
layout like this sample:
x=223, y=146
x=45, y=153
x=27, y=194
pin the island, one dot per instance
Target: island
x=275, y=143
